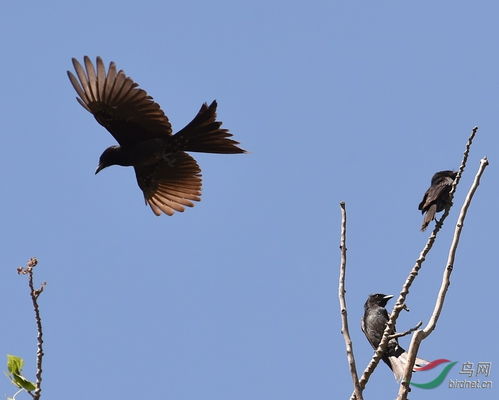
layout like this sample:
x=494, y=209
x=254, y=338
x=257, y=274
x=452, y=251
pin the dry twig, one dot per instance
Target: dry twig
x=34, y=293
x=401, y=334
x=343, y=304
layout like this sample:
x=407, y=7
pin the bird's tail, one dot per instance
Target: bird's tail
x=203, y=134
x=397, y=364
x=429, y=216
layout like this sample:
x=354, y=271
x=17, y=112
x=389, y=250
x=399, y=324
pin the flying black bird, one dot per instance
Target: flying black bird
x=436, y=198
x=373, y=325
x=169, y=177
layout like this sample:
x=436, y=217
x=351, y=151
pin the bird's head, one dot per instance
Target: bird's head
x=379, y=299
x=110, y=157
x=442, y=175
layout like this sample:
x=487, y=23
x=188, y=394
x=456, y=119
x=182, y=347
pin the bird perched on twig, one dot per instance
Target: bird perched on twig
x=168, y=176
x=373, y=325
x=437, y=197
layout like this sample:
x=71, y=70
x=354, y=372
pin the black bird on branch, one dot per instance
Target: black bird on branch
x=373, y=325
x=168, y=176
x=437, y=197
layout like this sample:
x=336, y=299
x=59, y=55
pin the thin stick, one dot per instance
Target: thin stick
x=343, y=304
x=420, y=335
x=408, y=332
x=34, y=293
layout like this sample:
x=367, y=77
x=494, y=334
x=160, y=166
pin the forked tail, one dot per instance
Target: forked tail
x=203, y=134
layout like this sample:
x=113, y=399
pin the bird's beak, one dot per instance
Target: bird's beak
x=99, y=168
x=388, y=297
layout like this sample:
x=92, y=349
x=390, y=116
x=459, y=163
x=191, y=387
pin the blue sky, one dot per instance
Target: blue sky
x=237, y=297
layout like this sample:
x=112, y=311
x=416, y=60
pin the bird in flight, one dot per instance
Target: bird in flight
x=169, y=177
x=436, y=198
x=373, y=325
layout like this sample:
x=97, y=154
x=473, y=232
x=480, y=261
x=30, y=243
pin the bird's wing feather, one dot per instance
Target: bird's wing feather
x=116, y=102
x=171, y=184
x=434, y=192
x=373, y=325
x=422, y=205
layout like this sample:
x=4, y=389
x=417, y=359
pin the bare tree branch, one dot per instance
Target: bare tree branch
x=420, y=335
x=400, y=304
x=343, y=304
x=408, y=332
x=34, y=293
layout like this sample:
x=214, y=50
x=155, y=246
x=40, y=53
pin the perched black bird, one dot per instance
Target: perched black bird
x=373, y=325
x=436, y=198
x=169, y=177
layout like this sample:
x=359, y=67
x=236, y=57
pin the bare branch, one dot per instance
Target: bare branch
x=400, y=304
x=419, y=336
x=34, y=293
x=343, y=304
x=401, y=334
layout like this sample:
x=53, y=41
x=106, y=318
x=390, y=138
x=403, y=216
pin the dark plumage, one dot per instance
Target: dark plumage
x=169, y=177
x=373, y=325
x=436, y=198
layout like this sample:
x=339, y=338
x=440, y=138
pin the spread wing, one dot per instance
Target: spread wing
x=436, y=191
x=117, y=103
x=171, y=184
